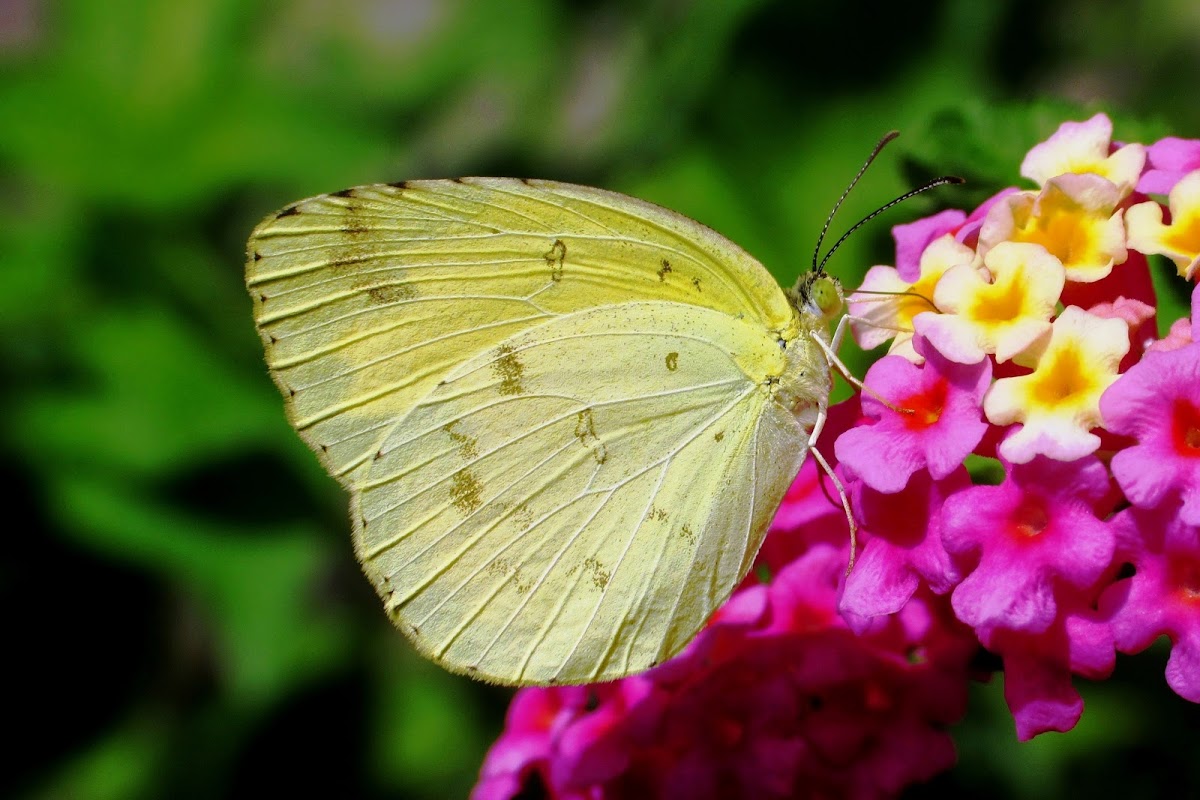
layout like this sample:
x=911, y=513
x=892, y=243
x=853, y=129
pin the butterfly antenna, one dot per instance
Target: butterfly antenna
x=942, y=181
x=829, y=220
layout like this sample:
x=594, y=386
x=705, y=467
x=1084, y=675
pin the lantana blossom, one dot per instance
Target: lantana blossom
x=1167, y=161
x=1178, y=240
x=1157, y=402
x=1015, y=542
x=1162, y=598
x=1085, y=148
x=885, y=304
x=1004, y=315
x=924, y=418
x=1075, y=217
x=1058, y=404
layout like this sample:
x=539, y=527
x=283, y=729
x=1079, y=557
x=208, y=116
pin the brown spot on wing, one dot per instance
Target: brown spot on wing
x=657, y=514
x=390, y=293
x=465, y=491
x=672, y=361
x=585, y=432
x=696, y=283
x=600, y=575
x=718, y=436
x=664, y=270
x=342, y=193
x=468, y=446
x=509, y=370
x=554, y=259
x=287, y=212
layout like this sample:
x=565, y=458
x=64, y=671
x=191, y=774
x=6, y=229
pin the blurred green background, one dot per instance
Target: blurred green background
x=183, y=613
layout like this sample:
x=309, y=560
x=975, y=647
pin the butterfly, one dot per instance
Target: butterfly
x=565, y=417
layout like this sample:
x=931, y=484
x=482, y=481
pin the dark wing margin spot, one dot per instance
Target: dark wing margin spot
x=257, y=256
x=287, y=212
x=342, y=193
x=399, y=184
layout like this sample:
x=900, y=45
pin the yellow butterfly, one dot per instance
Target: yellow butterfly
x=565, y=416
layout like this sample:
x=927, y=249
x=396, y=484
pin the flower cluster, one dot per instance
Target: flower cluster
x=1024, y=345
x=1025, y=334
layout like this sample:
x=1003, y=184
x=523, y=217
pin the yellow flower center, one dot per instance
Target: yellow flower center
x=1183, y=236
x=1000, y=302
x=1062, y=230
x=910, y=305
x=1061, y=378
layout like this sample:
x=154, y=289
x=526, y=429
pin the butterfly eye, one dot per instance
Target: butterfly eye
x=825, y=296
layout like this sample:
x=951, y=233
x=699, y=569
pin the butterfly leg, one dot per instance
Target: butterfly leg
x=830, y=351
x=841, y=490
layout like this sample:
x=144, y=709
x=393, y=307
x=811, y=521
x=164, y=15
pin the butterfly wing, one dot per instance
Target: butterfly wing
x=366, y=298
x=553, y=406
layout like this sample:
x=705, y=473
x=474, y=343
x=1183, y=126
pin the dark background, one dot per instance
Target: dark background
x=183, y=616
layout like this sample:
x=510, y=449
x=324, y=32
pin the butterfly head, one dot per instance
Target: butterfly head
x=818, y=296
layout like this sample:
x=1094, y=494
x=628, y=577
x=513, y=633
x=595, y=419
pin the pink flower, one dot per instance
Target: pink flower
x=903, y=548
x=1019, y=542
x=938, y=422
x=1157, y=402
x=1163, y=596
x=913, y=238
x=519, y=760
x=1167, y=161
x=1038, y=667
x=777, y=700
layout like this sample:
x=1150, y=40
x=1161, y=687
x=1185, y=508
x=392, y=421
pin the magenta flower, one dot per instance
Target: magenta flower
x=903, y=547
x=1157, y=402
x=1167, y=161
x=519, y=760
x=938, y=423
x=774, y=700
x=1038, y=667
x=912, y=239
x=1019, y=542
x=1163, y=596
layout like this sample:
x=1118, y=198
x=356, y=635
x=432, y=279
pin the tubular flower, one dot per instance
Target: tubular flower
x=1163, y=596
x=1085, y=148
x=1058, y=404
x=1017, y=542
x=877, y=317
x=1004, y=316
x=933, y=421
x=1180, y=239
x=1075, y=217
x=1157, y=402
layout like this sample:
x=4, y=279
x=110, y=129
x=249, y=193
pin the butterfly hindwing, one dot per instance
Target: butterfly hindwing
x=574, y=503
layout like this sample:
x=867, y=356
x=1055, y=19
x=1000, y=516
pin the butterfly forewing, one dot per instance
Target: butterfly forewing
x=552, y=404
